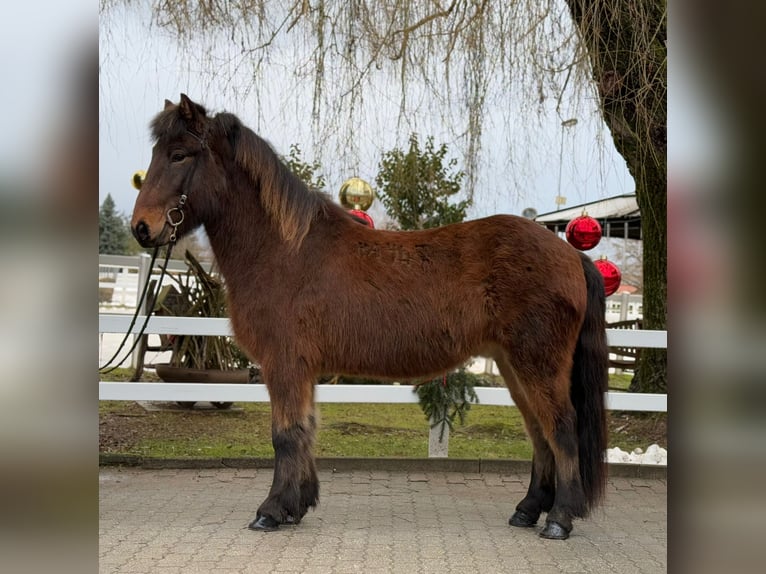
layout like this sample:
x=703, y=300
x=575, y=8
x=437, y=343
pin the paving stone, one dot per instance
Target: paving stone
x=167, y=521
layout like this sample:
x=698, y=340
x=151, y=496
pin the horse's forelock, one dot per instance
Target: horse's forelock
x=170, y=124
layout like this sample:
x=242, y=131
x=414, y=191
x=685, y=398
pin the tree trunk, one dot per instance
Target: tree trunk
x=625, y=42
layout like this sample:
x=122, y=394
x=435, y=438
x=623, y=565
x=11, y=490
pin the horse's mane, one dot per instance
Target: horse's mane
x=287, y=200
x=289, y=203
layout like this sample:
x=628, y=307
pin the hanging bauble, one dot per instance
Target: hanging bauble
x=583, y=232
x=359, y=214
x=355, y=193
x=611, y=274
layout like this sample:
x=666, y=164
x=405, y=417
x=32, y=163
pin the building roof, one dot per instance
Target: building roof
x=619, y=216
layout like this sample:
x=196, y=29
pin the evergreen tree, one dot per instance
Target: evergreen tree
x=416, y=186
x=113, y=233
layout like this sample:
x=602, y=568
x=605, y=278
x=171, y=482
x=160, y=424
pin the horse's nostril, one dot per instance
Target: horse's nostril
x=142, y=231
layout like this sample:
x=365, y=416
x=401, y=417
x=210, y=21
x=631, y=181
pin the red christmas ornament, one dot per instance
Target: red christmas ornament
x=611, y=274
x=583, y=232
x=362, y=215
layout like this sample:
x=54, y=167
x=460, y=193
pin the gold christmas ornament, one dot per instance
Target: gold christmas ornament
x=138, y=179
x=355, y=193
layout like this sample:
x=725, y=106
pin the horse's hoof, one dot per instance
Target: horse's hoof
x=521, y=518
x=555, y=531
x=264, y=524
x=290, y=520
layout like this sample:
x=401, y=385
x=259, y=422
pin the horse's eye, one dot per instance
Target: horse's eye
x=177, y=157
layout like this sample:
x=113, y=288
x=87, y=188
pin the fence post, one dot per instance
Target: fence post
x=624, y=299
x=144, y=273
x=438, y=448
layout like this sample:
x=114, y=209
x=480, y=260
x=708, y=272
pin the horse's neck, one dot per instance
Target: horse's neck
x=239, y=233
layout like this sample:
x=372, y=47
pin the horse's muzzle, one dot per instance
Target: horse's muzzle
x=143, y=234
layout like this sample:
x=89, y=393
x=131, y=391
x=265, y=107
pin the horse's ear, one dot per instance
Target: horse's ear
x=194, y=114
x=188, y=108
x=168, y=104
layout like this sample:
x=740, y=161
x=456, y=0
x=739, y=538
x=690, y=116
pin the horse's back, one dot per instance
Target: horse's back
x=421, y=301
x=521, y=258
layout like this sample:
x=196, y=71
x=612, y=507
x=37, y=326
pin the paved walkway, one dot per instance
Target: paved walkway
x=194, y=521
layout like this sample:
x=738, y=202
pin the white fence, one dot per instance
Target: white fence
x=329, y=393
x=623, y=307
x=395, y=393
x=119, y=323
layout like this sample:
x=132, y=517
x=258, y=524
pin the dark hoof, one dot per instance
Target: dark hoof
x=291, y=520
x=521, y=518
x=264, y=523
x=555, y=531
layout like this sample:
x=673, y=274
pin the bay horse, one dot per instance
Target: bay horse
x=297, y=265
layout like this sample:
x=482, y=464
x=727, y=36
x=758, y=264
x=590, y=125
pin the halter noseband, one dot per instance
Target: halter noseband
x=178, y=211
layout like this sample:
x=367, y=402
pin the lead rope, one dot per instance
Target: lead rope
x=150, y=308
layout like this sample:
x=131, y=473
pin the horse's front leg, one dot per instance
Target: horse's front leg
x=295, y=487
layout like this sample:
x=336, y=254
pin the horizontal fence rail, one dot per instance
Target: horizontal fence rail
x=396, y=393
x=257, y=393
x=134, y=262
x=110, y=323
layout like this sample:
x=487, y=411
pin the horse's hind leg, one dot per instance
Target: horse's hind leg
x=542, y=485
x=558, y=422
x=295, y=487
x=570, y=501
x=543, y=398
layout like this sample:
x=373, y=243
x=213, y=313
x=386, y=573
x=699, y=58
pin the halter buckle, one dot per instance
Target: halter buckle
x=174, y=224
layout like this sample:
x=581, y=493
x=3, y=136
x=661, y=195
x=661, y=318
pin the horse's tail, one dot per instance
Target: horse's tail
x=590, y=378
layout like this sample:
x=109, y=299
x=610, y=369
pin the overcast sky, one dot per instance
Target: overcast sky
x=140, y=66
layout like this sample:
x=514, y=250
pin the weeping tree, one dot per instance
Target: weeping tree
x=456, y=59
x=626, y=47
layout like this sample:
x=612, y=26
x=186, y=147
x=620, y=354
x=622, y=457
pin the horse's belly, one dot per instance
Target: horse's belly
x=395, y=356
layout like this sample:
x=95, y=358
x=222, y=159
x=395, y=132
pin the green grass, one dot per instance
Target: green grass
x=353, y=430
x=350, y=430
x=620, y=382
